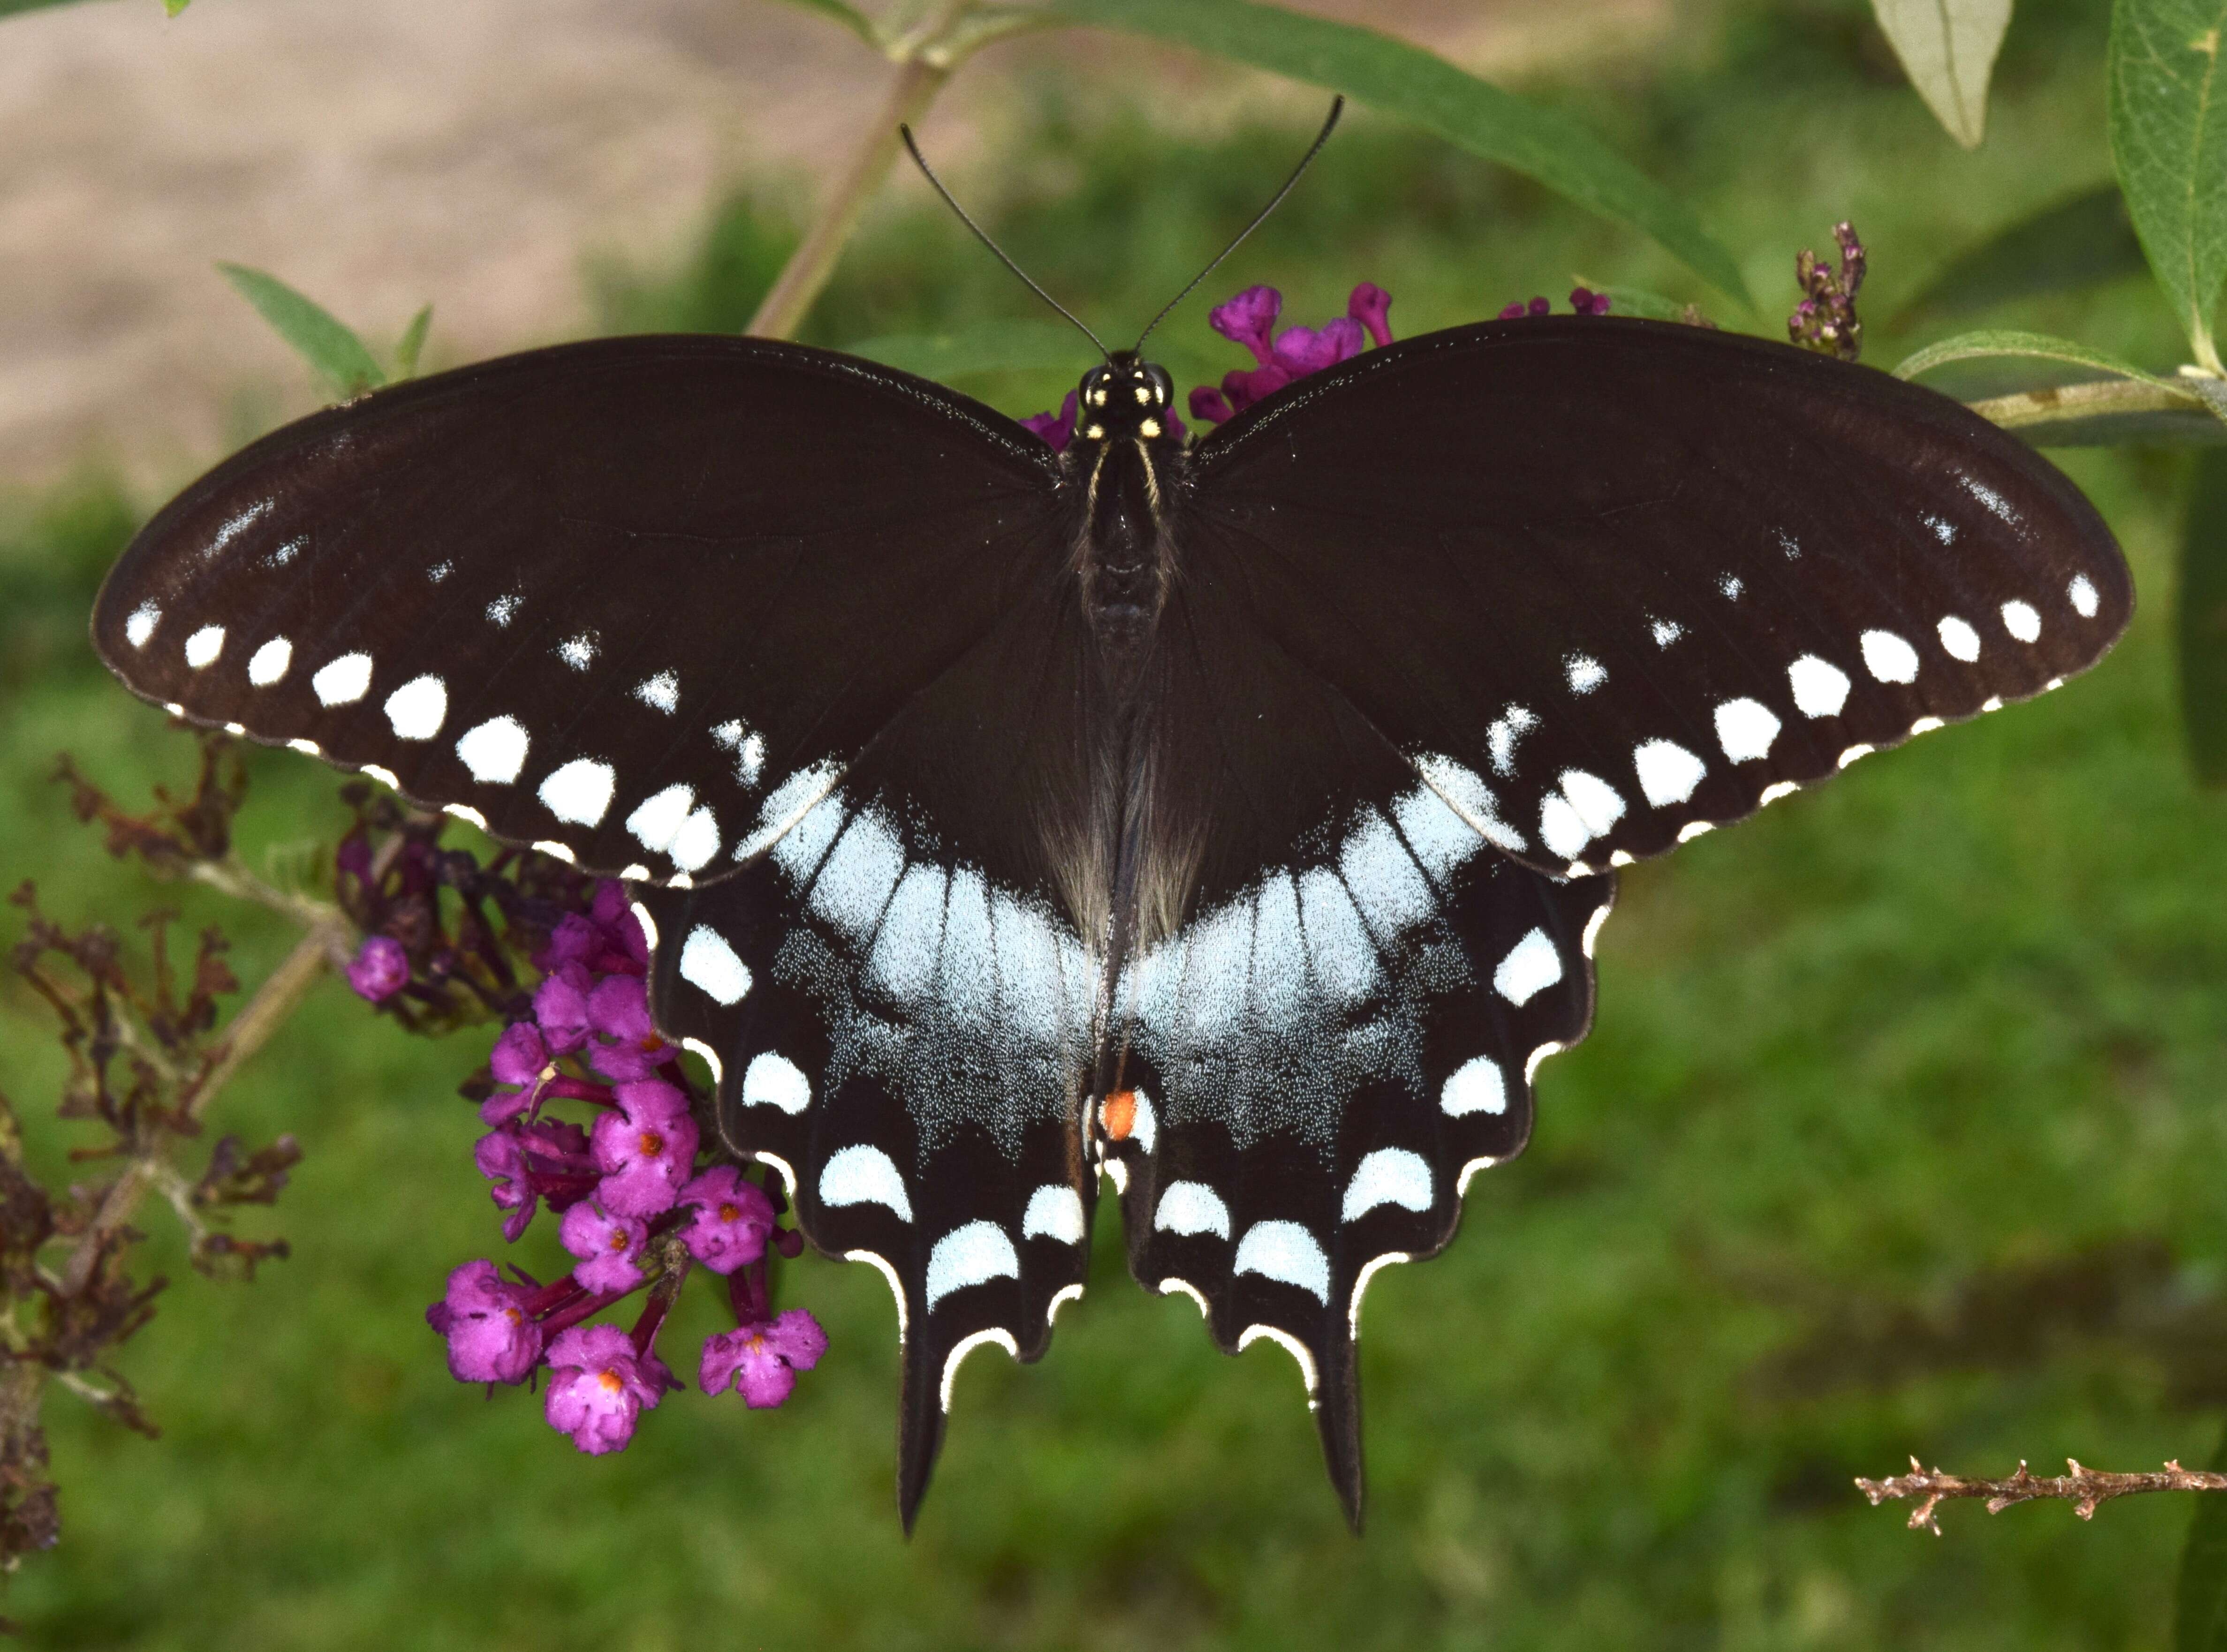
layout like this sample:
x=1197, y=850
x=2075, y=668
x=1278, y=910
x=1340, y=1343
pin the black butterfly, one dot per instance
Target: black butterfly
x=1232, y=821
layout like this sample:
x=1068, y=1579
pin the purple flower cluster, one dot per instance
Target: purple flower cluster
x=1826, y=319
x=633, y=1207
x=1584, y=301
x=1250, y=319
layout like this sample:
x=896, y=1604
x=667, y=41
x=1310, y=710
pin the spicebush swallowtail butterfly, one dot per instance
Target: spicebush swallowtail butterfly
x=1232, y=821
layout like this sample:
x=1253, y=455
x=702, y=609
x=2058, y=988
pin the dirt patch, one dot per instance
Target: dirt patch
x=465, y=151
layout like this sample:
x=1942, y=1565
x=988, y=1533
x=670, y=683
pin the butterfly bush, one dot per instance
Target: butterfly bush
x=638, y=1204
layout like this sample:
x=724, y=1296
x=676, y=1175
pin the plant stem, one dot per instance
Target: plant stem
x=250, y=1030
x=2086, y=1490
x=910, y=93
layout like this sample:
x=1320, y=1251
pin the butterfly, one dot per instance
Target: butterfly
x=1228, y=822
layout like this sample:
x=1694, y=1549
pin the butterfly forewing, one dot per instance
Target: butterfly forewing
x=1608, y=584
x=628, y=598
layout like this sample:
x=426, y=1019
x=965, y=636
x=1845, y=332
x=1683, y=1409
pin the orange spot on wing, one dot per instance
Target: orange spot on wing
x=1119, y=1115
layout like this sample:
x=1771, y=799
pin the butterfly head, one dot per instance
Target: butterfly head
x=1124, y=400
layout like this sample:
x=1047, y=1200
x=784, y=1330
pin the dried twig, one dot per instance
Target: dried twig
x=2086, y=1490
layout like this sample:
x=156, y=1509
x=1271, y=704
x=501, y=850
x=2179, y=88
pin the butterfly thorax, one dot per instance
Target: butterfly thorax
x=1122, y=463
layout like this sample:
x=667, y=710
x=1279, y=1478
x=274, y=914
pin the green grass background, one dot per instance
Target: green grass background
x=1961, y=1011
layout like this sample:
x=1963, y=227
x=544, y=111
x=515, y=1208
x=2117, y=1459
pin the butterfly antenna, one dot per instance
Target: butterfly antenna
x=983, y=236
x=1337, y=108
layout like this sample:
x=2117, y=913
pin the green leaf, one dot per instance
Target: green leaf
x=2169, y=141
x=411, y=342
x=2082, y=241
x=324, y=342
x=992, y=347
x=1947, y=49
x=836, y=11
x=2199, y=1616
x=1402, y=80
x=1995, y=343
x=2105, y=413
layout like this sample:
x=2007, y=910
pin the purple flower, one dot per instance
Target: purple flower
x=607, y=940
x=1247, y=320
x=618, y=1009
x=1371, y=306
x=519, y=1057
x=1059, y=431
x=1250, y=319
x=491, y=1337
x=1586, y=302
x=645, y=1149
x=1519, y=310
x=599, y=1387
x=762, y=1359
x=560, y=1008
x=547, y=1159
x=380, y=969
x=732, y=1218
x=609, y=1247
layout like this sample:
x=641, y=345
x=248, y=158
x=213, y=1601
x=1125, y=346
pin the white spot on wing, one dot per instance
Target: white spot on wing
x=1668, y=772
x=236, y=526
x=204, y=645
x=708, y=963
x=494, y=751
x=973, y=1254
x=417, y=708
x=774, y=1081
x=579, y=792
x=1731, y=585
x=1532, y=966
x=662, y=691
x=1888, y=658
x=1477, y=1086
x=1745, y=729
x=858, y=875
x=554, y=850
x=1925, y=725
x=1513, y=723
x=1191, y=1208
x=1369, y=1270
x=466, y=812
x=309, y=748
x=789, y=803
x=1694, y=829
x=1286, y=1251
x=1465, y=793
x=1820, y=689
x=1288, y=1343
x=579, y=652
x=1584, y=673
x=269, y=663
x=864, y=1174
x=1959, y=639
x=966, y=1345
x=718, y=1068
x=696, y=842
x=141, y=624
x=659, y=816
x=2081, y=593
x=1055, y=1212
x=344, y=681
x=1388, y=1175
x=2022, y=621
x=1776, y=790
x=880, y=1264
x=503, y=610
x=1598, y=803
x=1666, y=632
x=384, y=776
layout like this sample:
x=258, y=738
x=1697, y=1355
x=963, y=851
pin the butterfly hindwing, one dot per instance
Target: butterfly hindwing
x=908, y=1037
x=1318, y=1068
x=608, y=597
x=1612, y=582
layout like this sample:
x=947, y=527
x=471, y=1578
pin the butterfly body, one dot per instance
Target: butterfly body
x=1228, y=823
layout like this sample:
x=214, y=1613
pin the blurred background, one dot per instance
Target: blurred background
x=1900, y=1130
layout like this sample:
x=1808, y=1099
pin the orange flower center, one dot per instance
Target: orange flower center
x=651, y=1143
x=610, y=1381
